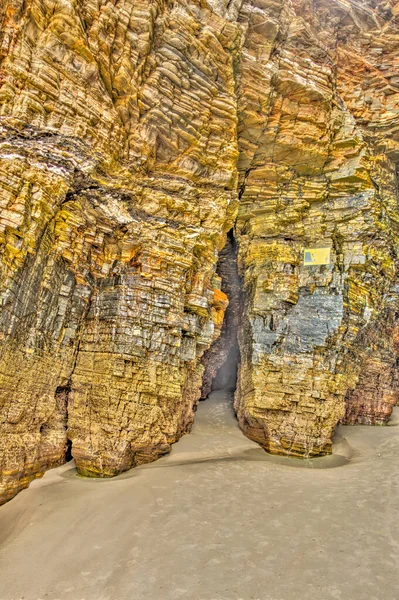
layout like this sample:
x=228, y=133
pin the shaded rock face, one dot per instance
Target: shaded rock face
x=134, y=135
x=377, y=388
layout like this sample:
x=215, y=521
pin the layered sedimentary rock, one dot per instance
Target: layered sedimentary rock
x=118, y=184
x=129, y=132
x=317, y=131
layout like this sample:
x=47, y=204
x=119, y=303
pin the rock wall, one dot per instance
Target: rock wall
x=118, y=181
x=318, y=141
x=129, y=130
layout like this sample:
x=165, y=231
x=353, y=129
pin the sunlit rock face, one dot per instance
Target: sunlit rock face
x=129, y=132
x=318, y=141
x=119, y=153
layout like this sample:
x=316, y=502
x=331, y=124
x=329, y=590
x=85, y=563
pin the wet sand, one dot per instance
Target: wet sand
x=217, y=519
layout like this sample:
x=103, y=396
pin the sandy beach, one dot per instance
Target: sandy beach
x=217, y=519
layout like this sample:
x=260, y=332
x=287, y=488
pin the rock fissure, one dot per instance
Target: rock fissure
x=221, y=360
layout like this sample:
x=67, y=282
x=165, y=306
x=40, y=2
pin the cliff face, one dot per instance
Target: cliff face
x=318, y=142
x=134, y=136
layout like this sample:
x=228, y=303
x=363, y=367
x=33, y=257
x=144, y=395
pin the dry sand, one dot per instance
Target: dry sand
x=217, y=519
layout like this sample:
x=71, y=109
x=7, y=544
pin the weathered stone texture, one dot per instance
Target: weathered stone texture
x=315, y=171
x=128, y=132
x=119, y=182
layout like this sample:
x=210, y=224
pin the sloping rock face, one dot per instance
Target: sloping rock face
x=129, y=132
x=119, y=154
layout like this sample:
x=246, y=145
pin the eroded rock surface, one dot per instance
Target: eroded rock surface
x=128, y=132
x=318, y=144
x=119, y=154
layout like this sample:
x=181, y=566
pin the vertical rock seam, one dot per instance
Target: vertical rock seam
x=221, y=360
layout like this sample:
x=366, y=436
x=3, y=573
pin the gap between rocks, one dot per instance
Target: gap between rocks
x=62, y=398
x=222, y=359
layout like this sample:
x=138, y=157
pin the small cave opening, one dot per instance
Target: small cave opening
x=222, y=359
x=68, y=451
x=62, y=398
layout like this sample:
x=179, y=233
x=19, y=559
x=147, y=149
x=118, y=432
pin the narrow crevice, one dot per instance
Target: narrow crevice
x=62, y=398
x=68, y=451
x=221, y=360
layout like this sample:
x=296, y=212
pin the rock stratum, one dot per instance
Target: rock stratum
x=134, y=136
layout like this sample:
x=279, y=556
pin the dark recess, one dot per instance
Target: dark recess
x=62, y=397
x=222, y=359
